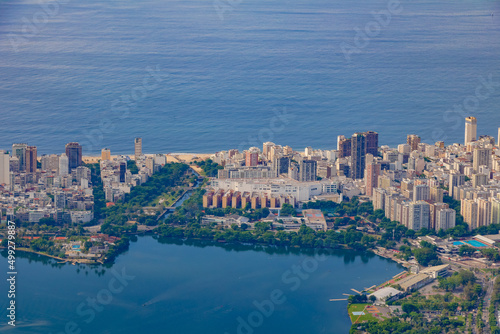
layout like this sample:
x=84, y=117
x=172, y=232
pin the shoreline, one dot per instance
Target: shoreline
x=73, y=261
x=387, y=256
x=219, y=243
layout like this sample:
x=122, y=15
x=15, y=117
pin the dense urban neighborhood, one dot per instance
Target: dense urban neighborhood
x=434, y=209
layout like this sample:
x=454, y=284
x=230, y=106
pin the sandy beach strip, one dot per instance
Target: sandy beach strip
x=171, y=157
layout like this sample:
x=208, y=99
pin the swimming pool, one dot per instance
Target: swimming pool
x=473, y=243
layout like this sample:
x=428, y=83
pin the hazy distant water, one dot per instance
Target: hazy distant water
x=192, y=289
x=223, y=80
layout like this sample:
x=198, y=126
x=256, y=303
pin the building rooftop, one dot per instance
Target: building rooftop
x=411, y=280
x=430, y=270
x=384, y=293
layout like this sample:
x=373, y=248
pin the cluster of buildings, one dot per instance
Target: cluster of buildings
x=50, y=186
x=277, y=175
x=408, y=182
x=118, y=180
x=59, y=186
x=412, y=192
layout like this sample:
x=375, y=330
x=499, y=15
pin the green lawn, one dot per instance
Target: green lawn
x=359, y=308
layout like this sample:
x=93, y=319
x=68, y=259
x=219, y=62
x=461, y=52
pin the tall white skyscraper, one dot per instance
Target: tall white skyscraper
x=4, y=168
x=470, y=129
x=63, y=165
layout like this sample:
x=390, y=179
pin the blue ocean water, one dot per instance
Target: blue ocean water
x=225, y=70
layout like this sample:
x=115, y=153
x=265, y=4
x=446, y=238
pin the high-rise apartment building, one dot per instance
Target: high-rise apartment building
x=421, y=192
x=105, y=154
x=445, y=219
x=470, y=130
x=14, y=164
x=281, y=165
x=479, y=180
x=252, y=157
x=74, y=154
x=495, y=210
x=358, y=154
x=344, y=145
x=372, y=174
x=437, y=194
x=31, y=159
x=435, y=207
x=19, y=151
x=413, y=141
x=339, y=139
x=371, y=139
x=481, y=157
x=404, y=148
x=266, y=149
x=419, y=215
x=379, y=199
x=469, y=210
x=63, y=165
x=4, y=168
x=123, y=171
x=483, y=212
x=275, y=152
x=137, y=148
x=307, y=170
x=50, y=163
x=456, y=180
x=150, y=164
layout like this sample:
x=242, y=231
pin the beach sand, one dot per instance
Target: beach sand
x=171, y=157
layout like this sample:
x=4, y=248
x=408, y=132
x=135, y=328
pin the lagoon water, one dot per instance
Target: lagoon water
x=224, y=77
x=193, y=288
